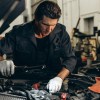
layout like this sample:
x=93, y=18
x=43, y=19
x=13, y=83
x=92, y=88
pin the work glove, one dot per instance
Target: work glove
x=54, y=84
x=7, y=67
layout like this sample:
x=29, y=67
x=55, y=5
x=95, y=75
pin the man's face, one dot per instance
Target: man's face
x=46, y=25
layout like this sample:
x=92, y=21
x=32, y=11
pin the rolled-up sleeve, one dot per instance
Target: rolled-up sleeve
x=67, y=54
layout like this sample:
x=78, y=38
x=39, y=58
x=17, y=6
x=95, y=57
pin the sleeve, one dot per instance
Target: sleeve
x=67, y=54
x=7, y=43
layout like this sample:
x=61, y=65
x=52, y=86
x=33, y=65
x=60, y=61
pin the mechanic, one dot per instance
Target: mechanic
x=42, y=41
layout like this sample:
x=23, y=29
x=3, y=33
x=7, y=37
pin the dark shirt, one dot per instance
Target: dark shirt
x=42, y=49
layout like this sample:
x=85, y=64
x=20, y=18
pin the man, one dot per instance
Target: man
x=41, y=42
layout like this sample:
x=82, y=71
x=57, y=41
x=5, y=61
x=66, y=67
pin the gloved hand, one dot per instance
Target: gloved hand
x=7, y=67
x=54, y=84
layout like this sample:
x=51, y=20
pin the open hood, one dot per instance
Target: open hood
x=10, y=10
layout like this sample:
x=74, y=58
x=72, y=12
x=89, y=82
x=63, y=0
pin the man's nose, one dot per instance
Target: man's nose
x=49, y=28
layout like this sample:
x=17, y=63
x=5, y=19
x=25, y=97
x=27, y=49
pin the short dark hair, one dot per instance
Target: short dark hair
x=49, y=9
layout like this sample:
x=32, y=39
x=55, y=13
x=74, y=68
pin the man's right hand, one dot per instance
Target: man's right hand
x=7, y=67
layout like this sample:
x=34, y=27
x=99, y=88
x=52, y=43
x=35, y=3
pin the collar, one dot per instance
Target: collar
x=29, y=32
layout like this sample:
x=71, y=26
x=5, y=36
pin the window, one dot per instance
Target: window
x=88, y=25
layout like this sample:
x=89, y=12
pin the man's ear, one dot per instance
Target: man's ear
x=36, y=18
x=36, y=22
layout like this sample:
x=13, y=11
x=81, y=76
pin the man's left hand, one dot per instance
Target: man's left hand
x=54, y=84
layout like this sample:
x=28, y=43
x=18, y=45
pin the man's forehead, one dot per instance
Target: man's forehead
x=49, y=21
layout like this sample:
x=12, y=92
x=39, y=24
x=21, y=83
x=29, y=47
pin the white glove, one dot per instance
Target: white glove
x=54, y=84
x=7, y=67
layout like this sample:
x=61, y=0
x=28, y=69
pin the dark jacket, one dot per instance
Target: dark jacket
x=21, y=44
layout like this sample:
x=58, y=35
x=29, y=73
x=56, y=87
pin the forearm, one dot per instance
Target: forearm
x=63, y=73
